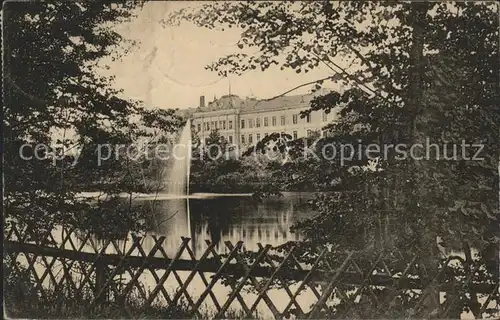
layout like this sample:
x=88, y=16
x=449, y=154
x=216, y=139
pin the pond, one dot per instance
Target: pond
x=219, y=218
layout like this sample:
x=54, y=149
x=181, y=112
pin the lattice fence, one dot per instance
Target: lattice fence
x=268, y=283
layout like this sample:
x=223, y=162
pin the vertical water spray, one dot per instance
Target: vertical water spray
x=177, y=179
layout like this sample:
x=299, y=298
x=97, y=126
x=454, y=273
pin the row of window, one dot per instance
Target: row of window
x=221, y=125
x=229, y=139
x=257, y=136
x=243, y=139
x=295, y=120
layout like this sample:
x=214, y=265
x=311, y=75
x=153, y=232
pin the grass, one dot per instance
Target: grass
x=21, y=300
x=59, y=306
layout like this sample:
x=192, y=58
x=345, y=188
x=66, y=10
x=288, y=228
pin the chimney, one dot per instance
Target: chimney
x=202, y=101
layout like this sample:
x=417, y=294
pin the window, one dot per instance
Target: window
x=295, y=135
x=295, y=119
x=308, y=118
x=224, y=124
x=199, y=127
x=257, y=123
x=230, y=139
x=274, y=121
x=213, y=125
x=250, y=138
x=283, y=120
x=266, y=121
x=242, y=124
x=230, y=124
x=220, y=124
x=243, y=139
x=208, y=126
x=325, y=116
x=258, y=137
x=250, y=123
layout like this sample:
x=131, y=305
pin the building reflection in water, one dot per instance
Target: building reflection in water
x=227, y=219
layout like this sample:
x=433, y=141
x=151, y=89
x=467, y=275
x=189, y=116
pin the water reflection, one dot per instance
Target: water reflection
x=223, y=218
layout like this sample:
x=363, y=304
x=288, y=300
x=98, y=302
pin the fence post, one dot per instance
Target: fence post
x=101, y=276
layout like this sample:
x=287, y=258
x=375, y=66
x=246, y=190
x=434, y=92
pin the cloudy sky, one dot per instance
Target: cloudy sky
x=167, y=67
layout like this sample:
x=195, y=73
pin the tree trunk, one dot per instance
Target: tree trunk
x=418, y=112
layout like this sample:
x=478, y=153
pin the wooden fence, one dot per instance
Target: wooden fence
x=348, y=285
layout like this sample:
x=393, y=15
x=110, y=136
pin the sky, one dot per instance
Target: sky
x=166, y=69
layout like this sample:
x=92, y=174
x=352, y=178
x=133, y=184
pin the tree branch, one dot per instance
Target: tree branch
x=361, y=57
x=297, y=87
x=347, y=74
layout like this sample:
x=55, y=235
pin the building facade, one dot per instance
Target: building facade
x=244, y=122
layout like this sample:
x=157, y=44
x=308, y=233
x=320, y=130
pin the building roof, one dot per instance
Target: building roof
x=250, y=105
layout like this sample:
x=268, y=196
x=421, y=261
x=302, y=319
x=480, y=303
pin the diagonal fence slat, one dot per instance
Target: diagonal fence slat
x=31, y=270
x=217, y=276
x=83, y=266
x=192, y=273
x=394, y=291
x=158, y=242
x=309, y=283
x=345, y=283
x=359, y=290
x=136, y=244
x=164, y=277
x=248, y=270
x=328, y=291
x=275, y=274
x=217, y=257
x=305, y=280
x=176, y=275
x=209, y=250
x=495, y=292
x=87, y=277
x=61, y=246
x=467, y=281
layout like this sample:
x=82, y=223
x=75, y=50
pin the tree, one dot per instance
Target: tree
x=217, y=166
x=425, y=70
x=213, y=164
x=55, y=97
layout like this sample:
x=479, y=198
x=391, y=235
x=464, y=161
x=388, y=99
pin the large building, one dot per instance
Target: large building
x=243, y=122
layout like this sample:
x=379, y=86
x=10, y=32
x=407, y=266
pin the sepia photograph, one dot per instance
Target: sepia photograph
x=251, y=159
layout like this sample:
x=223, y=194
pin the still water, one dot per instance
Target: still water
x=220, y=218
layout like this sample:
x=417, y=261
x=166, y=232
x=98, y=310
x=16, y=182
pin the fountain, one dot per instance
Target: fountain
x=177, y=177
x=177, y=183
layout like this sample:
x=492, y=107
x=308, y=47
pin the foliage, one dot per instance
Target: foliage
x=217, y=167
x=419, y=71
x=55, y=96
